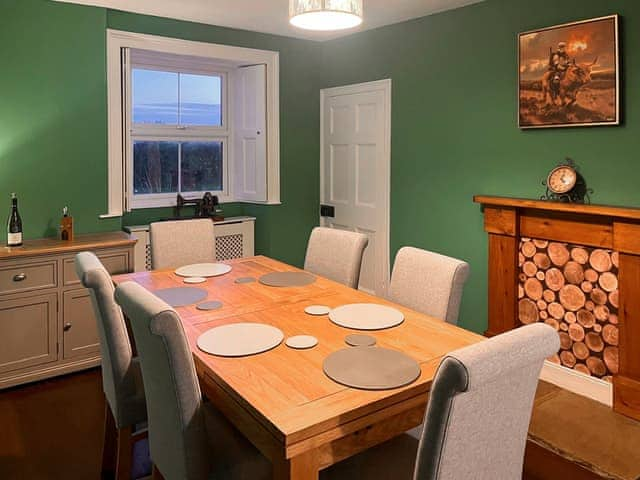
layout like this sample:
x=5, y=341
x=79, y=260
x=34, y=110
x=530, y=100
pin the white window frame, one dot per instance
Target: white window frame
x=151, y=132
x=117, y=42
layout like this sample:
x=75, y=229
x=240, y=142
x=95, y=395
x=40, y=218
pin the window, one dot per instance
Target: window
x=190, y=117
x=179, y=135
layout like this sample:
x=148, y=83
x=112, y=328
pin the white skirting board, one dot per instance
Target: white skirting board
x=577, y=382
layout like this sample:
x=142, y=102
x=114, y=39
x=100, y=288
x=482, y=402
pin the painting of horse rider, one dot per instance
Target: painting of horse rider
x=569, y=75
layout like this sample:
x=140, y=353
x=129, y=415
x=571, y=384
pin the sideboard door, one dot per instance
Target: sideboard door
x=79, y=328
x=28, y=332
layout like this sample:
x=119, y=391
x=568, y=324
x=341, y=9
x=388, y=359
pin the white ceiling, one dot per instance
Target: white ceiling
x=271, y=16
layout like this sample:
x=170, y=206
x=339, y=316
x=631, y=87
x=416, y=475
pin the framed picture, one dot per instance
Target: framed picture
x=568, y=75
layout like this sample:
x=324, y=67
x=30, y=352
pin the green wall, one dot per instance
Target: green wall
x=53, y=116
x=53, y=120
x=454, y=113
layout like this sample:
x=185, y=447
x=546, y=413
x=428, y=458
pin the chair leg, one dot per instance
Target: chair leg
x=109, y=445
x=125, y=454
x=155, y=474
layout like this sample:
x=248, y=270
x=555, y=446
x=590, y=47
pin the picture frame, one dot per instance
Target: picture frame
x=569, y=75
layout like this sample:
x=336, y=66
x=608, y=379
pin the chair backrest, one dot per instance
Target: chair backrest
x=118, y=376
x=428, y=282
x=181, y=242
x=336, y=254
x=177, y=433
x=480, y=405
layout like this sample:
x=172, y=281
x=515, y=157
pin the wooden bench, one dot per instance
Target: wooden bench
x=574, y=438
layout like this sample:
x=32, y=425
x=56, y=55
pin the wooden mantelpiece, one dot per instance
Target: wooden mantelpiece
x=507, y=220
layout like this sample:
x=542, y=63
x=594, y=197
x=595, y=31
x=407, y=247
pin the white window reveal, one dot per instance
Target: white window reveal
x=190, y=117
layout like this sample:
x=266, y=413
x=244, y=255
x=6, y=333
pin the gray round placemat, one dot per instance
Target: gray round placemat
x=203, y=270
x=358, y=340
x=317, y=310
x=301, y=342
x=240, y=339
x=181, y=296
x=211, y=305
x=245, y=280
x=287, y=279
x=366, y=316
x=194, y=280
x=371, y=368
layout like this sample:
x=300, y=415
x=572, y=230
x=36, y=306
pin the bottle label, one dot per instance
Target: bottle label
x=14, y=238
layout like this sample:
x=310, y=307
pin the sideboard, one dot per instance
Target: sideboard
x=47, y=324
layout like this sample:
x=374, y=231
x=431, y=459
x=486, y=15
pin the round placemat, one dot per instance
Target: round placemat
x=366, y=316
x=194, y=280
x=203, y=270
x=181, y=296
x=212, y=305
x=287, y=279
x=240, y=339
x=371, y=368
x=358, y=340
x=317, y=310
x=245, y=280
x=301, y=342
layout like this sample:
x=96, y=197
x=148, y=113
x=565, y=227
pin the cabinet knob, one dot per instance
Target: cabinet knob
x=19, y=277
x=67, y=327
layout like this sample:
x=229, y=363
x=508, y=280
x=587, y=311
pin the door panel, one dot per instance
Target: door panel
x=355, y=171
x=28, y=332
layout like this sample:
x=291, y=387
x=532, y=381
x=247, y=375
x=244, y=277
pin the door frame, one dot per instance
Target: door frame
x=377, y=85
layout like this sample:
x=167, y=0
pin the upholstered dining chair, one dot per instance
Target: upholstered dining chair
x=428, y=282
x=188, y=438
x=181, y=242
x=477, y=417
x=125, y=406
x=336, y=254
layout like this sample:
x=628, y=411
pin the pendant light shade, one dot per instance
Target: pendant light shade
x=325, y=14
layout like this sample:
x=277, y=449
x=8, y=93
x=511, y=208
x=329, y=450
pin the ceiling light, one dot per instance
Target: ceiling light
x=325, y=14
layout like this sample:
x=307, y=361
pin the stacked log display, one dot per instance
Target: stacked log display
x=575, y=290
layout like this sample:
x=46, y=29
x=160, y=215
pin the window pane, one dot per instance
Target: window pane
x=155, y=167
x=155, y=97
x=200, y=100
x=201, y=168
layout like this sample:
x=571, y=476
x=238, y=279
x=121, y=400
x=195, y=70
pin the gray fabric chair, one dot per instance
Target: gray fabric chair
x=121, y=376
x=188, y=438
x=477, y=418
x=336, y=254
x=181, y=242
x=428, y=282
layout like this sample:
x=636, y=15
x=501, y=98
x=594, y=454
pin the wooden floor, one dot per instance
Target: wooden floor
x=52, y=430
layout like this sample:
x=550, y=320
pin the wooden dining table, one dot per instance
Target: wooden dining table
x=281, y=400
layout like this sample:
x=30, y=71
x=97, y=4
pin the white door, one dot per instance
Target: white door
x=355, y=170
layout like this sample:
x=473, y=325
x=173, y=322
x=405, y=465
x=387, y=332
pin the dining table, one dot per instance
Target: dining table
x=281, y=399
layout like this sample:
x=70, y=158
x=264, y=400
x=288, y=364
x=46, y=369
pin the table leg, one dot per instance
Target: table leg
x=302, y=467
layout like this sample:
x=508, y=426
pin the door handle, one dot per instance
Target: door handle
x=19, y=277
x=67, y=327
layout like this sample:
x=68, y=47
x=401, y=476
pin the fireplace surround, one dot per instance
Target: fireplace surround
x=577, y=268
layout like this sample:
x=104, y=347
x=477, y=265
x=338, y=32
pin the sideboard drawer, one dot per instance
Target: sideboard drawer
x=24, y=277
x=115, y=262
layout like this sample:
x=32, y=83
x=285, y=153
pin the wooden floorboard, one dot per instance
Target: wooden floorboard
x=52, y=429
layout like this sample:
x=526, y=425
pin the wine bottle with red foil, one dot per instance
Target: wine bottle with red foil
x=14, y=225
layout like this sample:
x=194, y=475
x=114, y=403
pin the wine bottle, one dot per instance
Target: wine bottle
x=14, y=225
